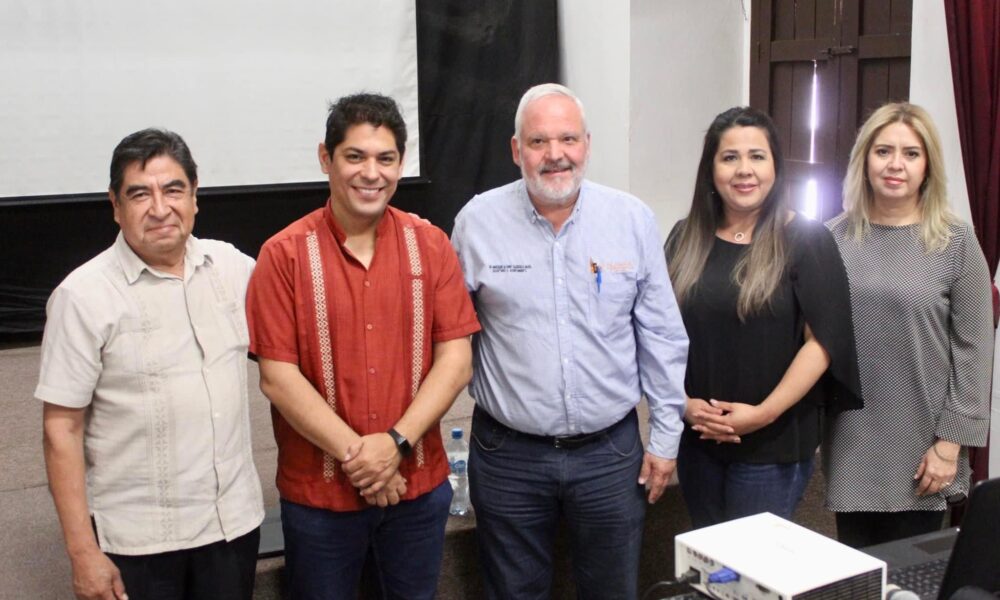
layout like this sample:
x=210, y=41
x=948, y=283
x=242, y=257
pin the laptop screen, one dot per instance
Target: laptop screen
x=975, y=559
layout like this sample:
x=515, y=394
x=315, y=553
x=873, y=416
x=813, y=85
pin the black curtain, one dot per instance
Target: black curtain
x=475, y=59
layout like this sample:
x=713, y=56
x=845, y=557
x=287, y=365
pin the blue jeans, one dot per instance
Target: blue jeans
x=521, y=486
x=325, y=550
x=717, y=491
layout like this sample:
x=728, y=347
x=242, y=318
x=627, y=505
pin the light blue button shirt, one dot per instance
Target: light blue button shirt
x=577, y=325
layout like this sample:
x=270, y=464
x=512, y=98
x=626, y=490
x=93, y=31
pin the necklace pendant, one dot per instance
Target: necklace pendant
x=738, y=236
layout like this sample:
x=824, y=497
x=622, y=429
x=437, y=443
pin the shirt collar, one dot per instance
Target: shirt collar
x=532, y=214
x=195, y=255
x=338, y=232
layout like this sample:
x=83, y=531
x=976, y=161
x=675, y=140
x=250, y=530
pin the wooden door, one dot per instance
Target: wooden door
x=819, y=67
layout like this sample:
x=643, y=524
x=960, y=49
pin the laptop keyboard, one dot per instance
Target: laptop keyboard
x=924, y=579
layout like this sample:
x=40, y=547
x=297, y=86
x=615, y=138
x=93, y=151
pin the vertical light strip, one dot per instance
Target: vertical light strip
x=810, y=203
x=813, y=114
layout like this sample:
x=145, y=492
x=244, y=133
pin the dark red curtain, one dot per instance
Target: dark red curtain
x=974, y=41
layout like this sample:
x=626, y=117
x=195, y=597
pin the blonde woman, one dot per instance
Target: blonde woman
x=764, y=298
x=923, y=320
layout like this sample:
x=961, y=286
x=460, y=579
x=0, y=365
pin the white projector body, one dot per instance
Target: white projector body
x=777, y=560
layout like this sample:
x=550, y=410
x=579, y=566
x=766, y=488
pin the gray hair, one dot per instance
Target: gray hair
x=540, y=91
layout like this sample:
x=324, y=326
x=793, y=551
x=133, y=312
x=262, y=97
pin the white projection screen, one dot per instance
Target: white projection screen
x=245, y=82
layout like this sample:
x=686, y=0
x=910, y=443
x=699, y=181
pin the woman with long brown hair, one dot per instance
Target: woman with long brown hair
x=765, y=301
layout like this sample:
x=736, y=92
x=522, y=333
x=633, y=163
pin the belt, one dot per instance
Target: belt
x=565, y=442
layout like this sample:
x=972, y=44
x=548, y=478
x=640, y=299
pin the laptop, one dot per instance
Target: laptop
x=966, y=556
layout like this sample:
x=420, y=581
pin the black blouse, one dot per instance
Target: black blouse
x=743, y=362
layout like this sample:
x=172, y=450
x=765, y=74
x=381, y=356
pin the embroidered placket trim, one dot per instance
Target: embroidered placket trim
x=417, y=298
x=323, y=333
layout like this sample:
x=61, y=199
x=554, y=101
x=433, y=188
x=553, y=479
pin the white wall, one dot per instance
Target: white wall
x=652, y=74
x=594, y=52
x=931, y=87
x=687, y=67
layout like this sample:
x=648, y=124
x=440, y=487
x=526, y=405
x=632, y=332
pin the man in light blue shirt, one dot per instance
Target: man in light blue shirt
x=579, y=321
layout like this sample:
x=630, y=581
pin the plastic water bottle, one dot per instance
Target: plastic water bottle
x=458, y=462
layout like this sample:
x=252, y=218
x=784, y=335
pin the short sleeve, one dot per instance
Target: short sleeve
x=819, y=280
x=71, y=352
x=270, y=305
x=965, y=418
x=454, y=314
x=461, y=248
x=237, y=266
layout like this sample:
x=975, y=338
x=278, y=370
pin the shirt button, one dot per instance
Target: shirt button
x=565, y=361
x=562, y=321
x=373, y=416
x=368, y=283
x=371, y=371
x=369, y=327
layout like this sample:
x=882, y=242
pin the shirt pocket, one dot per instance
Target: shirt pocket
x=137, y=348
x=235, y=325
x=515, y=299
x=611, y=302
x=226, y=335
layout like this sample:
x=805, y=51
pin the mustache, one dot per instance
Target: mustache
x=561, y=165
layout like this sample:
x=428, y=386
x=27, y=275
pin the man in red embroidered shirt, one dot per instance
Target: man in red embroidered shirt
x=360, y=320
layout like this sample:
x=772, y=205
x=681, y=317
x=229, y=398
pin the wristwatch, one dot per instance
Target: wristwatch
x=402, y=443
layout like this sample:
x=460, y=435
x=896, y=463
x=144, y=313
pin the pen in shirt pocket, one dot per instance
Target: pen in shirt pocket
x=596, y=270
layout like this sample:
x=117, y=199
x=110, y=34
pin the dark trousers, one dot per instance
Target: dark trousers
x=522, y=485
x=220, y=571
x=860, y=529
x=325, y=551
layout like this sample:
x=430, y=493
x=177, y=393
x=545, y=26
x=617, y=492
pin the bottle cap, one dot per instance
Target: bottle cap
x=456, y=433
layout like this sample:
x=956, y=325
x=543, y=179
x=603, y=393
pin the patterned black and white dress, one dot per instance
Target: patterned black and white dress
x=924, y=330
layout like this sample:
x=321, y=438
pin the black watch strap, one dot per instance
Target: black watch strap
x=402, y=443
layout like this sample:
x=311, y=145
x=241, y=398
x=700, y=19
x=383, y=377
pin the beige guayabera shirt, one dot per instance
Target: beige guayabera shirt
x=160, y=362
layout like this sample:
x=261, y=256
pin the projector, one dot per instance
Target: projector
x=765, y=557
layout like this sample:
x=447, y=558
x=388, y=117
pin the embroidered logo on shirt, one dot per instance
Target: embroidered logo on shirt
x=624, y=266
x=510, y=268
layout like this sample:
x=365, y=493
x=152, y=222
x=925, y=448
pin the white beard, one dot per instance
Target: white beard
x=551, y=193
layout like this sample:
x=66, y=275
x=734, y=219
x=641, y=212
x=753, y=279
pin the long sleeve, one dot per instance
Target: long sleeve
x=661, y=349
x=923, y=328
x=966, y=413
x=820, y=283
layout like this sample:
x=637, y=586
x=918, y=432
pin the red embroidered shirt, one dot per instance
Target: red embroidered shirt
x=363, y=338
